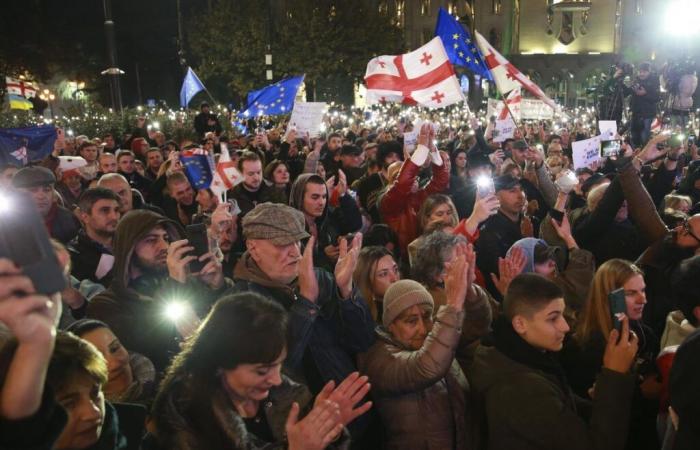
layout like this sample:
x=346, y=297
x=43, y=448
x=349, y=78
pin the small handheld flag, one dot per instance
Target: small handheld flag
x=460, y=47
x=277, y=98
x=199, y=167
x=191, y=85
x=19, y=146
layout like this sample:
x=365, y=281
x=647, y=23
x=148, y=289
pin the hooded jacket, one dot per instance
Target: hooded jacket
x=575, y=280
x=134, y=309
x=333, y=223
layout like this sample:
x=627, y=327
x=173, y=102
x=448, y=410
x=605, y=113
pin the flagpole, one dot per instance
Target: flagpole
x=510, y=113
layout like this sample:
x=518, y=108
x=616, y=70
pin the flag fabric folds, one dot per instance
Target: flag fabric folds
x=19, y=146
x=459, y=45
x=422, y=77
x=277, y=98
x=513, y=102
x=191, y=86
x=226, y=175
x=19, y=92
x=199, y=167
x=506, y=76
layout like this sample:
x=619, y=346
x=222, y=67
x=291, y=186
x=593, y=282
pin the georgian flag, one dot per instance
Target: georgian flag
x=226, y=175
x=422, y=77
x=506, y=75
x=513, y=101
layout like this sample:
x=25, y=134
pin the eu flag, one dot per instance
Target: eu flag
x=190, y=87
x=19, y=146
x=199, y=167
x=460, y=47
x=276, y=98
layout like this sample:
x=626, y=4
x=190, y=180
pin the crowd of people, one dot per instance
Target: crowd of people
x=359, y=291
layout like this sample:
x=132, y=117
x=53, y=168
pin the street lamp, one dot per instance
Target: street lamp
x=48, y=97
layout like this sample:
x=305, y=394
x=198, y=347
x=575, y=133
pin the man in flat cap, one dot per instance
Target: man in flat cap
x=329, y=321
x=38, y=182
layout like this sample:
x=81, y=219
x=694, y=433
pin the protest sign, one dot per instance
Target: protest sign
x=531, y=109
x=503, y=130
x=307, y=118
x=608, y=129
x=586, y=152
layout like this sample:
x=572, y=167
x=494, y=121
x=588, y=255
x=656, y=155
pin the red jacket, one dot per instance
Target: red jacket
x=399, y=207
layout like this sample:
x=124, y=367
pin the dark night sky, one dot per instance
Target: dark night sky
x=65, y=38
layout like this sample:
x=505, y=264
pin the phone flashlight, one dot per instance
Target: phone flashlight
x=175, y=310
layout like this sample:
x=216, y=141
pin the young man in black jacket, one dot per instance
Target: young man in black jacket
x=527, y=399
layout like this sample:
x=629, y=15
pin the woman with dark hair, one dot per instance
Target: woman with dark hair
x=225, y=390
x=376, y=270
x=459, y=164
x=277, y=174
x=131, y=376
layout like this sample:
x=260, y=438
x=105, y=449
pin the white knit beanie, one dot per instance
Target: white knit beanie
x=402, y=295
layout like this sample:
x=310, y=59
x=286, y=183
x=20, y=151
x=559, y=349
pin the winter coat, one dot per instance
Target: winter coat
x=134, y=309
x=61, y=224
x=420, y=395
x=496, y=235
x=399, y=207
x=645, y=106
x=529, y=406
x=325, y=335
x=178, y=413
x=85, y=255
x=248, y=200
x=582, y=363
x=333, y=223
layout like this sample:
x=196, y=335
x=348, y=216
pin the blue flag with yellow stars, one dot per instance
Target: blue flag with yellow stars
x=277, y=98
x=198, y=166
x=460, y=47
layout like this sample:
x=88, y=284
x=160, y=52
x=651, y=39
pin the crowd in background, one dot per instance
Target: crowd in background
x=360, y=291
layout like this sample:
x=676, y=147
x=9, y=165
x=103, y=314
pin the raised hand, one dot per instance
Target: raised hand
x=308, y=284
x=212, y=273
x=315, y=431
x=621, y=350
x=508, y=268
x=457, y=280
x=178, y=261
x=347, y=261
x=342, y=186
x=526, y=228
x=347, y=395
x=564, y=231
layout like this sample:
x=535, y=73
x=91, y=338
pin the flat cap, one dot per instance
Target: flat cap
x=33, y=177
x=274, y=222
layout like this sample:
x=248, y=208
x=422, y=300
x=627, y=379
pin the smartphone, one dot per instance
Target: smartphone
x=691, y=141
x=618, y=306
x=610, y=149
x=197, y=238
x=485, y=186
x=25, y=241
x=557, y=215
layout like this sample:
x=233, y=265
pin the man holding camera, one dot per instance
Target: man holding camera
x=155, y=301
x=645, y=96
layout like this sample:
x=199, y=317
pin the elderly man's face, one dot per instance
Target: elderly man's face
x=279, y=262
x=42, y=196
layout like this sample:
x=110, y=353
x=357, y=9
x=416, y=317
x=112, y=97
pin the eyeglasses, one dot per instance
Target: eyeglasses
x=686, y=227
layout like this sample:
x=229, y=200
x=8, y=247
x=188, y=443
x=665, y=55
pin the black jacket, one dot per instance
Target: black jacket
x=248, y=200
x=62, y=224
x=137, y=181
x=202, y=126
x=496, y=236
x=85, y=255
x=645, y=106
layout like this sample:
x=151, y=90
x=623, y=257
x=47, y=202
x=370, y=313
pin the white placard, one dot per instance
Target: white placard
x=586, y=152
x=503, y=130
x=531, y=109
x=307, y=118
x=409, y=140
x=608, y=129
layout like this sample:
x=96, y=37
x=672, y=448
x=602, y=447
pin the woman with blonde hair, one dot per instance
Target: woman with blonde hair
x=376, y=270
x=582, y=355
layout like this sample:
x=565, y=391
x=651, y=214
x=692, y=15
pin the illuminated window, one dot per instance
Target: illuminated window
x=425, y=7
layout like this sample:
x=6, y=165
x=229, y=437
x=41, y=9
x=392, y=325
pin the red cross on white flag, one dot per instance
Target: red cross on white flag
x=506, y=75
x=422, y=77
x=513, y=102
x=226, y=175
x=19, y=87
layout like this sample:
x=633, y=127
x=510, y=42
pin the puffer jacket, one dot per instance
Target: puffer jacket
x=179, y=424
x=399, y=206
x=421, y=395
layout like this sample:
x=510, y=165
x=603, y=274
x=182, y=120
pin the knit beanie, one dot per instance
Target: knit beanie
x=402, y=295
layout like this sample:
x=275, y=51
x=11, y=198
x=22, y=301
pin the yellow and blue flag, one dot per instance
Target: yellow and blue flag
x=460, y=47
x=277, y=98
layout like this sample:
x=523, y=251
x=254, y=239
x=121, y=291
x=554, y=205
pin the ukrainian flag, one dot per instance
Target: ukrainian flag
x=19, y=102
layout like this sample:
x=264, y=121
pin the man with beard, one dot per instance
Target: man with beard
x=154, y=301
x=253, y=190
x=91, y=251
x=180, y=205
